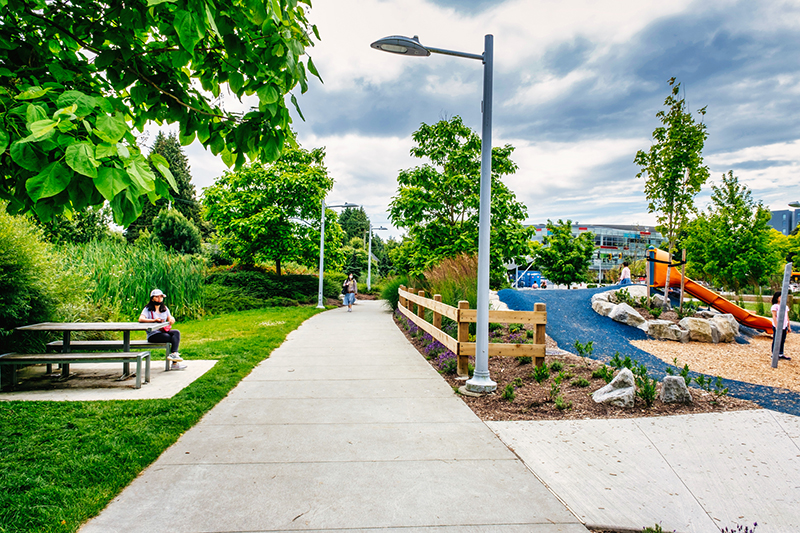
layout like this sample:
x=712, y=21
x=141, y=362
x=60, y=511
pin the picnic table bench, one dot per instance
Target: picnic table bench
x=112, y=345
x=65, y=359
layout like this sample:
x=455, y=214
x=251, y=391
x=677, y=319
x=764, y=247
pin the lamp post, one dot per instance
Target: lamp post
x=320, y=305
x=480, y=381
x=369, y=255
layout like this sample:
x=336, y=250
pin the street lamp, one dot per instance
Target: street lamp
x=794, y=204
x=322, y=247
x=369, y=255
x=397, y=44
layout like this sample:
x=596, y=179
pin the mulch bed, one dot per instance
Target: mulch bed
x=534, y=401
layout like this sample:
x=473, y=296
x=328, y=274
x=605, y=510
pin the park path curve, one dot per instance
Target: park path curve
x=345, y=427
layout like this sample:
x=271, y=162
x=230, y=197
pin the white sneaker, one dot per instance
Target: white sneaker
x=175, y=357
x=177, y=366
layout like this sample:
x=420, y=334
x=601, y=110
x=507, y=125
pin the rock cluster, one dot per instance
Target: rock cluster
x=714, y=328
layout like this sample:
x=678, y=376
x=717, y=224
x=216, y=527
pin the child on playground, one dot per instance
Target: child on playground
x=779, y=336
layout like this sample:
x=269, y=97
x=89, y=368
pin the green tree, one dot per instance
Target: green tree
x=84, y=226
x=260, y=209
x=184, y=200
x=77, y=77
x=438, y=203
x=673, y=167
x=729, y=245
x=565, y=258
x=356, y=257
x=354, y=222
x=176, y=232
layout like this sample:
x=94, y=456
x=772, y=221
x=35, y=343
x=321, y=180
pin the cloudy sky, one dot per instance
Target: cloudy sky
x=577, y=84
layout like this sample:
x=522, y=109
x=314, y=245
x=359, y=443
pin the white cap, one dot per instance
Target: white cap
x=156, y=292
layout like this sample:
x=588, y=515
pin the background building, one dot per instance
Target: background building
x=786, y=220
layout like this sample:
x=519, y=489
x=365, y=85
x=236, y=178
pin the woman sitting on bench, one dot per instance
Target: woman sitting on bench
x=156, y=311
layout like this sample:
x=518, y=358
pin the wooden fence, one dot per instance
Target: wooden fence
x=413, y=303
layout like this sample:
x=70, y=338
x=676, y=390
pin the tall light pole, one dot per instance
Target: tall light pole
x=397, y=44
x=320, y=305
x=369, y=255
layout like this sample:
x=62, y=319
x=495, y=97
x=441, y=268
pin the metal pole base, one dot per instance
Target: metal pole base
x=320, y=306
x=480, y=384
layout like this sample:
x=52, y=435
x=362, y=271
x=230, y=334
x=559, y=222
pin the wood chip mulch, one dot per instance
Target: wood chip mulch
x=533, y=401
x=751, y=363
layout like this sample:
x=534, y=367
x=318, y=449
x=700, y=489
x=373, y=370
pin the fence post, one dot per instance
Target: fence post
x=400, y=298
x=540, y=337
x=437, y=318
x=420, y=309
x=463, y=336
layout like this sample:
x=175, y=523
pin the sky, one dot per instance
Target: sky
x=577, y=85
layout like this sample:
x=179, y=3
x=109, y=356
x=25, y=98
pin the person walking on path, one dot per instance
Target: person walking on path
x=349, y=289
x=156, y=311
x=625, y=275
x=779, y=336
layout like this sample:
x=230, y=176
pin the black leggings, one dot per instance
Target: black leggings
x=172, y=336
x=778, y=335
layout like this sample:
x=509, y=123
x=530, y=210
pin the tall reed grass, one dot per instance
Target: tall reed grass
x=121, y=277
x=455, y=279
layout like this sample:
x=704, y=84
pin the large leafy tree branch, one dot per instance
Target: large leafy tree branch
x=270, y=212
x=76, y=78
x=673, y=167
x=437, y=203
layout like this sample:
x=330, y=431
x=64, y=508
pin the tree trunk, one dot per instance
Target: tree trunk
x=278, y=266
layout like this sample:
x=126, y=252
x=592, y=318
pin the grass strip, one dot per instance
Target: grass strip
x=62, y=462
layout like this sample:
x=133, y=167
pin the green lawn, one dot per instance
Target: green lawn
x=62, y=462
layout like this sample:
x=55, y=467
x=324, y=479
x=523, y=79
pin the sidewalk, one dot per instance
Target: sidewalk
x=345, y=427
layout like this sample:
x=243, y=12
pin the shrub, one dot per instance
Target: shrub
x=447, y=362
x=220, y=300
x=515, y=328
x=684, y=372
x=556, y=366
x=580, y=382
x=645, y=386
x=529, y=334
x=584, y=350
x=618, y=363
x=656, y=311
x=176, y=232
x=518, y=382
x=455, y=279
x=561, y=403
x=540, y=373
x=508, y=393
x=604, y=373
x=266, y=285
x=525, y=359
x=390, y=287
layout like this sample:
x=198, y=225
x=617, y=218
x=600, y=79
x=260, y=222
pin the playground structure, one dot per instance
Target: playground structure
x=657, y=277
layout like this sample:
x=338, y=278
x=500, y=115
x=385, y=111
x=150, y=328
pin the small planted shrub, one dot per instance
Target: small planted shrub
x=561, y=403
x=525, y=359
x=515, y=328
x=605, y=373
x=555, y=391
x=584, y=350
x=518, y=382
x=447, y=363
x=684, y=372
x=645, y=386
x=508, y=393
x=494, y=326
x=580, y=382
x=618, y=363
x=540, y=373
x=719, y=390
x=656, y=311
x=529, y=334
x=176, y=232
x=556, y=366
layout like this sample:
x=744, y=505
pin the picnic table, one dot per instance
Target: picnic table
x=68, y=327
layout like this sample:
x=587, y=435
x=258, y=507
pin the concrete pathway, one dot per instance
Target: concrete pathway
x=345, y=427
x=692, y=473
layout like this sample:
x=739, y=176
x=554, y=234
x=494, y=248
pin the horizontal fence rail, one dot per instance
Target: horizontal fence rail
x=413, y=304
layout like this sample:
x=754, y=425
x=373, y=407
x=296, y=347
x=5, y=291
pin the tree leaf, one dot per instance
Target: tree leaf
x=236, y=81
x=32, y=93
x=110, y=128
x=85, y=103
x=3, y=141
x=151, y=3
x=188, y=31
x=80, y=158
x=34, y=112
x=140, y=173
x=211, y=23
x=40, y=128
x=110, y=181
x=105, y=150
x=297, y=107
x=25, y=156
x=228, y=158
x=49, y=182
x=162, y=166
x=312, y=68
x=268, y=94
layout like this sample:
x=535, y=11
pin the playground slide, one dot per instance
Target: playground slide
x=658, y=276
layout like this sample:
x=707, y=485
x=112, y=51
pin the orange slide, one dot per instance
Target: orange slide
x=658, y=276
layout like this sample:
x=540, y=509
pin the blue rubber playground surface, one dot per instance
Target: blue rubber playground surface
x=570, y=317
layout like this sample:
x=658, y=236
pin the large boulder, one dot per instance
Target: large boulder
x=657, y=300
x=727, y=326
x=674, y=390
x=700, y=329
x=707, y=313
x=620, y=392
x=637, y=291
x=627, y=315
x=602, y=296
x=664, y=329
x=603, y=308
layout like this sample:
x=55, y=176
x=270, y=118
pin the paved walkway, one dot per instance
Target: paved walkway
x=345, y=427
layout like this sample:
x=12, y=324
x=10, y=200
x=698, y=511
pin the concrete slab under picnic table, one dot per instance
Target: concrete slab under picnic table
x=97, y=382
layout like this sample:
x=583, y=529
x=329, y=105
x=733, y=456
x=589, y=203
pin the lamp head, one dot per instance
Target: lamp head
x=794, y=204
x=397, y=44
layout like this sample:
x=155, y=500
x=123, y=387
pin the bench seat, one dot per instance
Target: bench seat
x=112, y=345
x=65, y=359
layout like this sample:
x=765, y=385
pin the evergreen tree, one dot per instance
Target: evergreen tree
x=184, y=200
x=354, y=222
